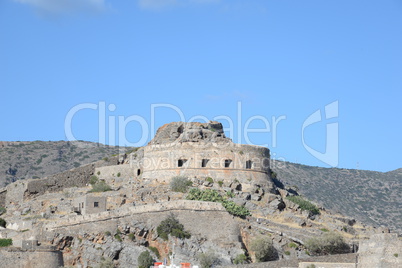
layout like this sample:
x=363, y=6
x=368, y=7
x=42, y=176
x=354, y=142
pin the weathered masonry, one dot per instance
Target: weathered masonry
x=90, y=203
x=200, y=150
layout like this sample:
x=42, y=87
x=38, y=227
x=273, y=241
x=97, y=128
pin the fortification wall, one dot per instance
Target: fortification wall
x=77, y=177
x=326, y=265
x=207, y=219
x=131, y=210
x=167, y=155
x=381, y=251
x=330, y=261
x=15, y=192
x=19, y=191
x=221, y=161
x=11, y=257
x=110, y=174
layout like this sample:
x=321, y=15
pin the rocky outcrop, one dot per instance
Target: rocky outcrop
x=190, y=132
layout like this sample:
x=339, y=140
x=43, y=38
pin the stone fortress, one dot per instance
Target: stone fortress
x=57, y=221
x=197, y=150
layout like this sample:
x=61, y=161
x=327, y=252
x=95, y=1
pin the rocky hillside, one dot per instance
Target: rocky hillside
x=369, y=196
x=38, y=159
x=151, y=216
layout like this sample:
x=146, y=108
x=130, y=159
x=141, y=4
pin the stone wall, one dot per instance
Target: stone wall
x=128, y=211
x=20, y=225
x=77, y=177
x=19, y=191
x=206, y=219
x=119, y=174
x=15, y=192
x=222, y=162
x=3, y=195
x=11, y=257
x=338, y=261
x=326, y=265
x=381, y=251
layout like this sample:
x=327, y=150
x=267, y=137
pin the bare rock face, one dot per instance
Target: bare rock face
x=190, y=132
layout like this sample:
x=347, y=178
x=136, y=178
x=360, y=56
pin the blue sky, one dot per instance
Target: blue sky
x=276, y=59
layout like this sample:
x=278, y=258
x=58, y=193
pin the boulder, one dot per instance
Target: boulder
x=190, y=132
x=277, y=205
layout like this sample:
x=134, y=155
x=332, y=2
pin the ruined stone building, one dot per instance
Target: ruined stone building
x=197, y=150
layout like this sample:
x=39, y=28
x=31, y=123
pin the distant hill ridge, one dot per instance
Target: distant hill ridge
x=38, y=159
x=369, y=196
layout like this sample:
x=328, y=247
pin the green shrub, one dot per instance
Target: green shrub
x=145, y=260
x=105, y=263
x=208, y=259
x=235, y=209
x=240, y=259
x=328, y=243
x=3, y=223
x=118, y=238
x=209, y=179
x=230, y=194
x=155, y=251
x=131, y=236
x=107, y=233
x=180, y=233
x=204, y=195
x=325, y=230
x=100, y=186
x=2, y=210
x=213, y=196
x=5, y=242
x=98, y=173
x=180, y=184
x=263, y=249
x=304, y=204
x=292, y=245
x=396, y=255
x=118, y=174
x=287, y=253
x=173, y=227
x=93, y=180
x=220, y=183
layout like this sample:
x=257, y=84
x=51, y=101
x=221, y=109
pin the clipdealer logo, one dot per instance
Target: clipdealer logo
x=109, y=125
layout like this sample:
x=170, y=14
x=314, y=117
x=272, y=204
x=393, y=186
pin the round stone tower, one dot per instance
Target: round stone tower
x=202, y=150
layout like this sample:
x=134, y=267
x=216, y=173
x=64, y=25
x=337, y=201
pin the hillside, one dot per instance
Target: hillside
x=115, y=211
x=38, y=159
x=369, y=196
